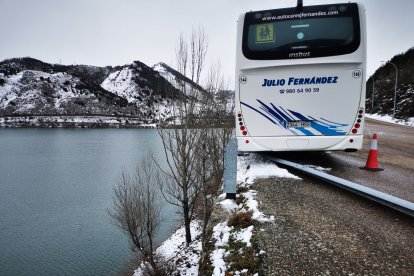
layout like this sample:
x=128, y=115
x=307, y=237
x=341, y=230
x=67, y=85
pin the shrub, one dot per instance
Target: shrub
x=247, y=260
x=241, y=219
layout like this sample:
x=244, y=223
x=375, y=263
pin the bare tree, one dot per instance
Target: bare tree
x=198, y=49
x=215, y=135
x=181, y=56
x=219, y=109
x=194, y=147
x=136, y=209
x=182, y=187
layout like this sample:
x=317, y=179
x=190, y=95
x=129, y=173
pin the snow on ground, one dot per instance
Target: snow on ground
x=253, y=166
x=249, y=168
x=171, y=78
x=221, y=234
x=389, y=119
x=166, y=74
x=174, y=250
x=27, y=90
x=176, y=247
x=7, y=93
x=319, y=168
x=121, y=83
x=74, y=121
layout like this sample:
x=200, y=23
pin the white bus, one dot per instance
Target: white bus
x=301, y=78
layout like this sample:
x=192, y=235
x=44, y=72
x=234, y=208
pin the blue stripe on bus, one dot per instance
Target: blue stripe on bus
x=273, y=112
x=264, y=115
x=305, y=131
x=326, y=130
x=257, y=111
x=281, y=117
x=281, y=113
x=287, y=113
x=299, y=116
x=334, y=122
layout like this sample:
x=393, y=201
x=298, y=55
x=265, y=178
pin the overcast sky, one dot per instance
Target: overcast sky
x=117, y=32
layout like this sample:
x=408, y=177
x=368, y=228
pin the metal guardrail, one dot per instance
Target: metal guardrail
x=230, y=169
x=393, y=202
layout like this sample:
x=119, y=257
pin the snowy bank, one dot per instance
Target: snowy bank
x=389, y=119
x=175, y=253
x=234, y=242
x=63, y=121
x=232, y=238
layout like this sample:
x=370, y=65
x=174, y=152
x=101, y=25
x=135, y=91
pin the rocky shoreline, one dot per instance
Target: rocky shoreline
x=79, y=121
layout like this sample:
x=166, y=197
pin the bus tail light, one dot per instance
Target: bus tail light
x=241, y=123
x=357, y=125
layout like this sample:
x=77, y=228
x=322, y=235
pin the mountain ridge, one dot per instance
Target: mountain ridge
x=30, y=87
x=382, y=100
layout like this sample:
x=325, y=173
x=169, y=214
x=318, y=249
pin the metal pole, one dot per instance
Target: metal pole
x=373, y=92
x=299, y=5
x=395, y=89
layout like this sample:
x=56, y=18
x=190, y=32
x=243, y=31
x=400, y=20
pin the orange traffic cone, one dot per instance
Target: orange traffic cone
x=372, y=162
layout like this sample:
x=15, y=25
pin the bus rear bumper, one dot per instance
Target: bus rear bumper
x=318, y=143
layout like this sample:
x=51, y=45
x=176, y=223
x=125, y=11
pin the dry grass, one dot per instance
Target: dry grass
x=242, y=189
x=245, y=259
x=241, y=219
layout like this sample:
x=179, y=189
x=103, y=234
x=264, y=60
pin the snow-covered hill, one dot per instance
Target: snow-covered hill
x=42, y=93
x=120, y=82
x=174, y=77
x=29, y=87
x=179, y=81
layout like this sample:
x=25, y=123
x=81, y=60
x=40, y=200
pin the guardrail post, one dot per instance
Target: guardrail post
x=230, y=169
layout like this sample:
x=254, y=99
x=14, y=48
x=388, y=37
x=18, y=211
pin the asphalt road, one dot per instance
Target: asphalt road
x=395, y=143
x=320, y=229
x=395, y=156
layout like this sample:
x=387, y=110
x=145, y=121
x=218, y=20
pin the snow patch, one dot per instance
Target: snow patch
x=252, y=167
x=175, y=251
x=245, y=235
x=389, y=119
x=228, y=204
x=121, y=83
x=221, y=234
x=249, y=168
x=319, y=168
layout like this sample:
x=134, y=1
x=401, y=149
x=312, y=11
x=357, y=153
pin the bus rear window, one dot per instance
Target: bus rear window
x=319, y=31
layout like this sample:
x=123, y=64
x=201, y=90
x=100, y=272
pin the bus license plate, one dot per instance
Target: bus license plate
x=297, y=124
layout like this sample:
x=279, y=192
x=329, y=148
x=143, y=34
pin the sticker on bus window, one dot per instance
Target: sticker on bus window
x=264, y=33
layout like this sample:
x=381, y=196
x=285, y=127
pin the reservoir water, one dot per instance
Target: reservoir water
x=55, y=188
